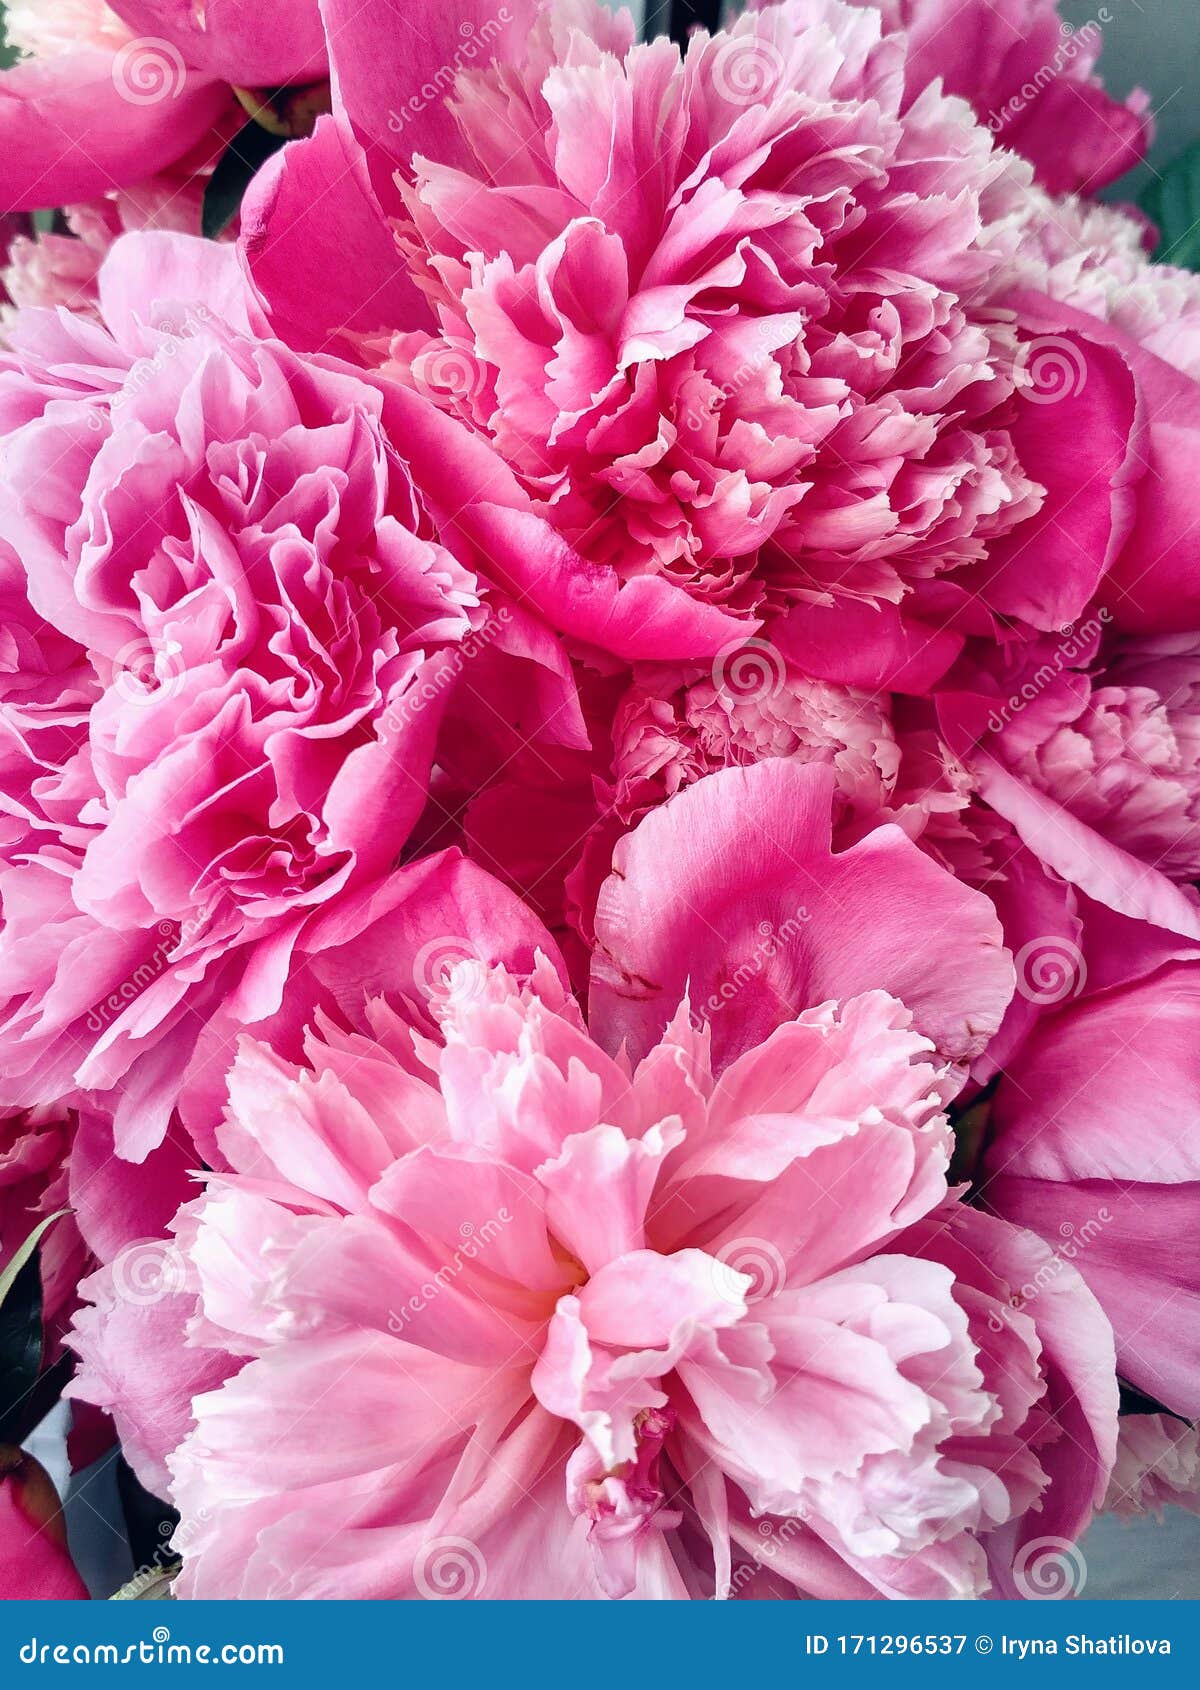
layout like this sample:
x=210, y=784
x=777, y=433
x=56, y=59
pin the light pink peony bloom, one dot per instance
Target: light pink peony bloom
x=243, y=624
x=108, y=95
x=1157, y=1466
x=576, y=1322
x=1028, y=75
x=673, y=726
x=52, y=269
x=1094, y=257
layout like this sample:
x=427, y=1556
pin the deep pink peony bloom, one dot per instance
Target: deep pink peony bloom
x=600, y=1317
x=1028, y=75
x=795, y=371
x=219, y=713
x=110, y=94
x=752, y=397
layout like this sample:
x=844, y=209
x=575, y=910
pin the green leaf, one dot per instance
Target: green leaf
x=9, y=1276
x=245, y=155
x=1173, y=202
x=20, y=1350
x=152, y=1584
x=22, y=1404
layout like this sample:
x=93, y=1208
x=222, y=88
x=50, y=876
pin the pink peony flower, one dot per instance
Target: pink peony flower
x=1028, y=75
x=63, y=269
x=673, y=726
x=1091, y=1141
x=805, y=380
x=242, y=627
x=109, y=95
x=1094, y=258
x=752, y=405
x=1157, y=1465
x=1088, y=744
x=606, y=1323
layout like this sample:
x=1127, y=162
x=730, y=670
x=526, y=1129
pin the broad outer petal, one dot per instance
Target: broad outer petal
x=730, y=892
x=318, y=249
x=395, y=95
x=67, y=133
x=252, y=43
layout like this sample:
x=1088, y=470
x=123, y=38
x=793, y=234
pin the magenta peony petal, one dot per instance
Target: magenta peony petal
x=246, y=42
x=67, y=132
x=318, y=250
x=759, y=919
